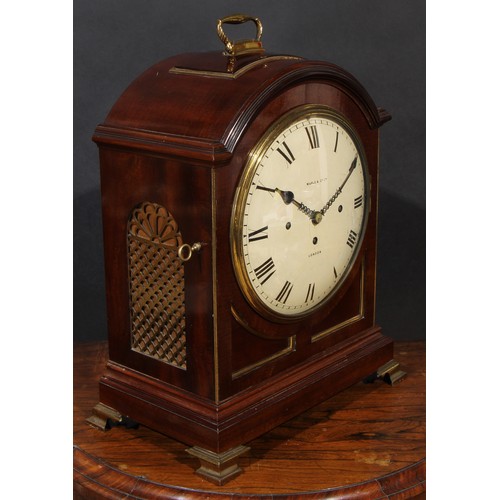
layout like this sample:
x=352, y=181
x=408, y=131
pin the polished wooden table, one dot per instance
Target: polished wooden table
x=365, y=443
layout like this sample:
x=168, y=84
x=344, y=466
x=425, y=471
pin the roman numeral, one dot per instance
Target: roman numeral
x=336, y=142
x=265, y=270
x=310, y=292
x=358, y=201
x=312, y=134
x=351, y=239
x=335, y=273
x=285, y=292
x=256, y=235
x=288, y=156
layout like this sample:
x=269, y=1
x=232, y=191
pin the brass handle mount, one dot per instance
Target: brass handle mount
x=241, y=46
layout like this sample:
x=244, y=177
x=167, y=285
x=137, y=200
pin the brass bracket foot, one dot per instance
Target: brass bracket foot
x=104, y=417
x=389, y=373
x=218, y=468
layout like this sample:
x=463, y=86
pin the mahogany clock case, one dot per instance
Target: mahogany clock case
x=114, y=43
x=186, y=154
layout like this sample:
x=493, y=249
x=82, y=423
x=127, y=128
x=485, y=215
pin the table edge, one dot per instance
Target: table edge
x=94, y=476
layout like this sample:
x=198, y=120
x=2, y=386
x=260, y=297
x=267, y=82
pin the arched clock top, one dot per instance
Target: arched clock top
x=304, y=72
x=199, y=107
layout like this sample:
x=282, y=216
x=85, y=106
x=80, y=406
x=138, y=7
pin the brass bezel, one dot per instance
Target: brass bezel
x=255, y=156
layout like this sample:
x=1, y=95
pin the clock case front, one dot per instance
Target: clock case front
x=188, y=355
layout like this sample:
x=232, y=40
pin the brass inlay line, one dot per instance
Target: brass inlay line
x=358, y=317
x=291, y=342
x=214, y=288
x=221, y=74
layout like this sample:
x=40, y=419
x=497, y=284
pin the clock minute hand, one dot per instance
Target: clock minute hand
x=339, y=190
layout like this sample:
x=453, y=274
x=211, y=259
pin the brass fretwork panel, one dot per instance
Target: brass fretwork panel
x=156, y=285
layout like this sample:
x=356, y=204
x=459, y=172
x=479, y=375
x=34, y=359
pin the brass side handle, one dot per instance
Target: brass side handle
x=241, y=46
x=186, y=250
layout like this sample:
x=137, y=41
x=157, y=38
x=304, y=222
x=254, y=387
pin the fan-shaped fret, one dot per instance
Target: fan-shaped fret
x=156, y=285
x=153, y=222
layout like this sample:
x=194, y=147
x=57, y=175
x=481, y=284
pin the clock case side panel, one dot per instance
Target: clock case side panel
x=300, y=341
x=128, y=179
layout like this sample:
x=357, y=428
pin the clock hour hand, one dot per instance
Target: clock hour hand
x=288, y=197
x=339, y=190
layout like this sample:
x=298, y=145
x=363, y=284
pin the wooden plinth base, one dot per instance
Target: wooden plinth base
x=248, y=414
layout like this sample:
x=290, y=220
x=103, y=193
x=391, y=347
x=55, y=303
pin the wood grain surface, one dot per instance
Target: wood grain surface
x=366, y=442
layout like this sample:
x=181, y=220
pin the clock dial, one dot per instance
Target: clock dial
x=300, y=212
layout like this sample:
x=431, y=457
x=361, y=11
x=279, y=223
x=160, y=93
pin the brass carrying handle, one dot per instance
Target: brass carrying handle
x=185, y=251
x=243, y=46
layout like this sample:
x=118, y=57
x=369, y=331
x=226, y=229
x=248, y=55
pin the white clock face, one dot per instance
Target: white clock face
x=300, y=213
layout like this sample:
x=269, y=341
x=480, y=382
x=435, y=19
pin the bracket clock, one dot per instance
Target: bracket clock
x=239, y=198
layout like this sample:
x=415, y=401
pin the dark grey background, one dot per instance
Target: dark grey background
x=381, y=42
